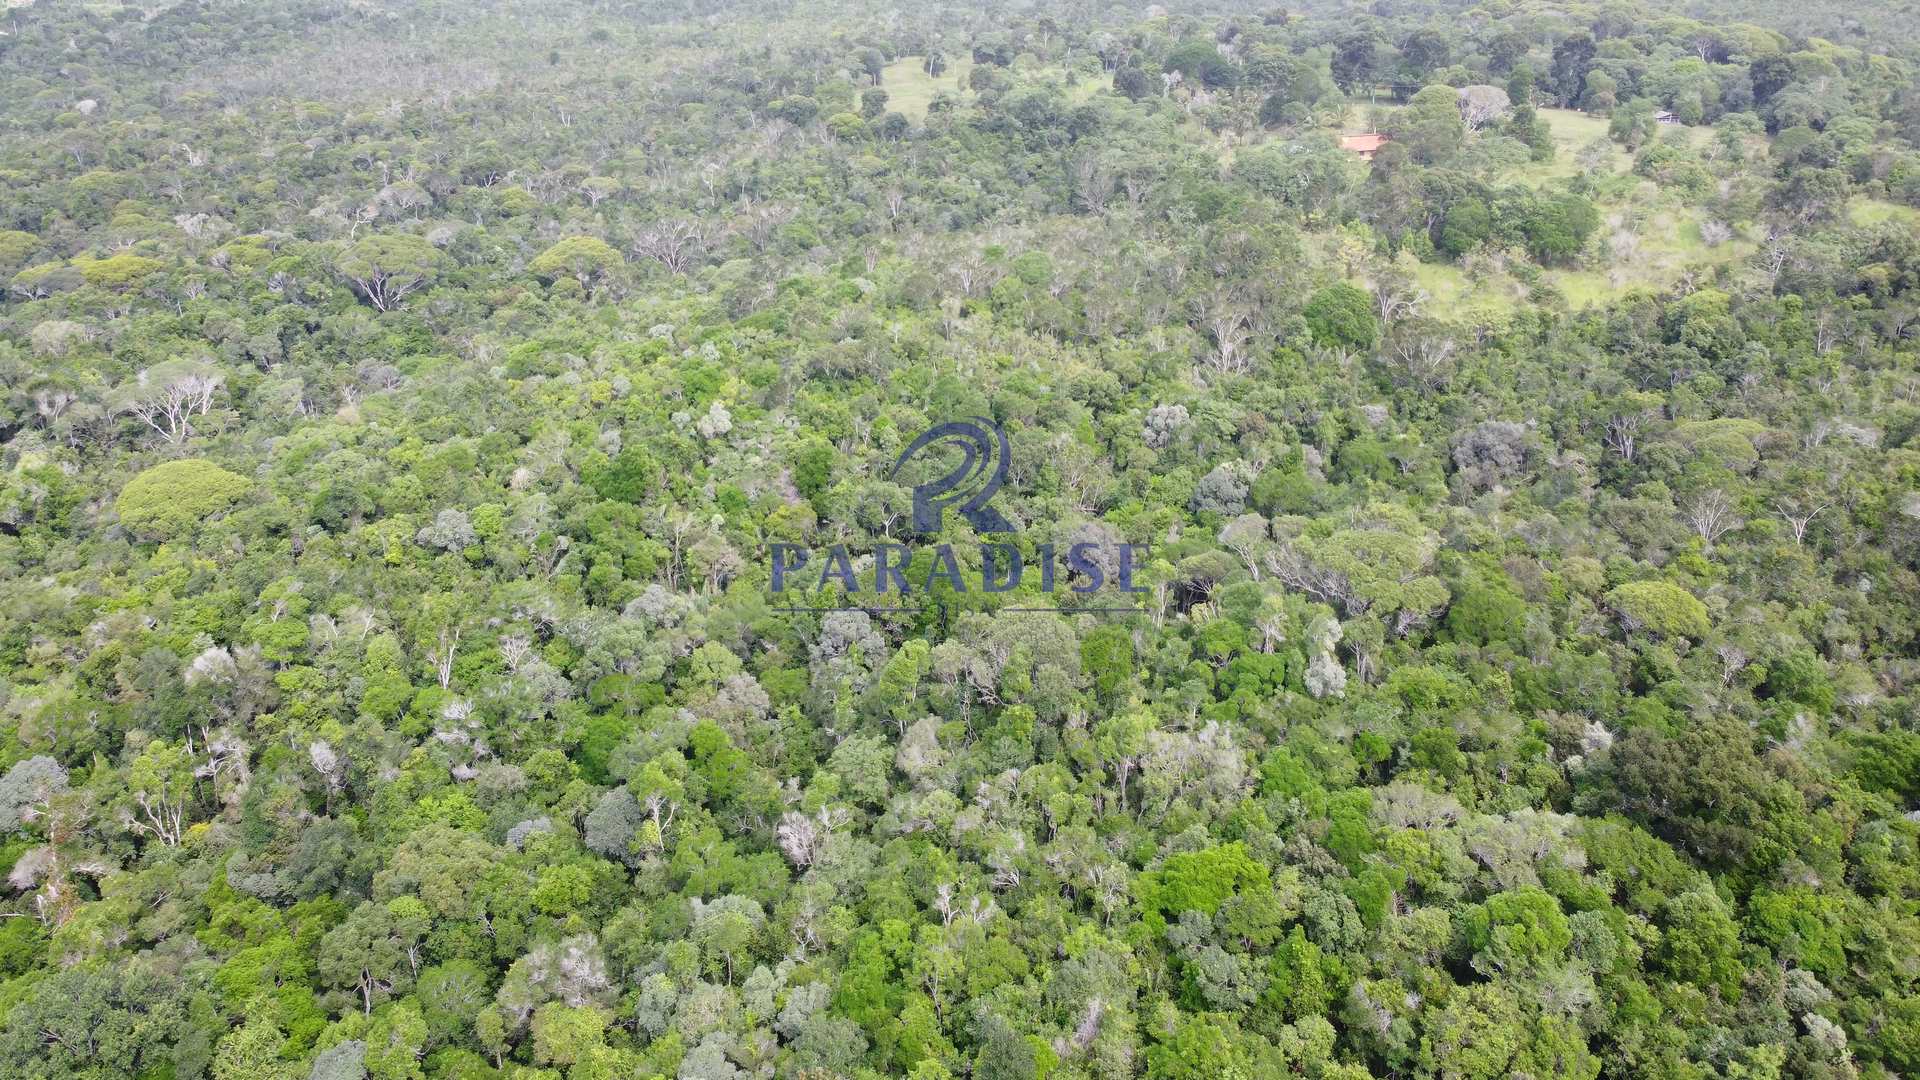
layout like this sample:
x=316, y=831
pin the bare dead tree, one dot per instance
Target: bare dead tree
x=51, y=402
x=1294, y=570
x=597, y=189
x=1773, y=259
x=162, y=817
x=1422, y=356
x=761, y=222
x=1226, y=320
x=168, y=396
x=1798, y=515
x=975, y=275
x=1711, y=514
x=1623, y=432
x=1733, y=659
x=1829, y=329
x=1396, y=297
x=443, y=653
x=1481, y=105
x=1093, y=183
x=675, y=243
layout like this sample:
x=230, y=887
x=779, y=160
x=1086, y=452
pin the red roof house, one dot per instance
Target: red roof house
x=1366, y=144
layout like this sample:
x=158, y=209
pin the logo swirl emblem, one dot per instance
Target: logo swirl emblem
x=982, y=469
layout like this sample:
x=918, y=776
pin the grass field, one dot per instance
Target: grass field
x=1086, y=88
x=1649, y=239
x=1361, y=116
x=1453, y=296
x=1573, y=132
x=910, y=89
x=1659, y=250
x=1866, y=212
x=1644, y=249
x=1657, y=240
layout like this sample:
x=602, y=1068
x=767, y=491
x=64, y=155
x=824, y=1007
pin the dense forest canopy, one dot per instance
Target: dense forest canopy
x=401, y=402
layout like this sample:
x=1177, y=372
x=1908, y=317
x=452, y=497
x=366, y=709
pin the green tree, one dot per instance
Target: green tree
x=159, y=792
x=1659, y=608
x=366, y=954
x=174, y=497
x=1517, y=933
x=388, y=267
x=1430, y=126
x=1557, y=227
x=1341, y=316
x=588, y=260
x=100, y=1021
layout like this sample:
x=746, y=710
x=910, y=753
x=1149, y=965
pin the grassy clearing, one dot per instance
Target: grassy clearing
x=1650, y=240
x=1572, y=132
x=1573, y=127
x=1365, y=116
x=1084, y=87
x=1651, y=253
x=1647, y=238
x=1355, y=118
x=1868, y=212
x=1646, y=249
x=910, y=89
x=1453, y=296
x=1640, y=250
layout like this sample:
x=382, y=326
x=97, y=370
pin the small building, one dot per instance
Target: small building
x=1365, y=144
x=1664, y=117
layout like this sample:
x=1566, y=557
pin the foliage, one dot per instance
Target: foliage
x=1660, y=607
x=400, y=404
x=175, y=496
